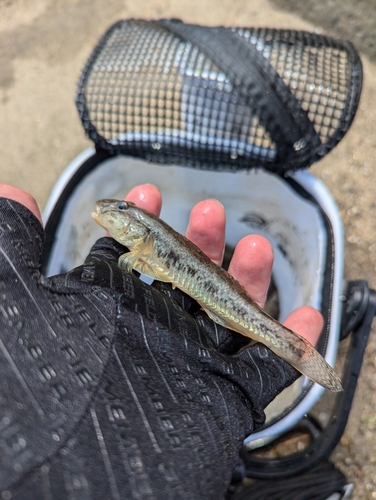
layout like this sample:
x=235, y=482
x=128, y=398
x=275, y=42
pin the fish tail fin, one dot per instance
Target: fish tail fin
x=312, y=364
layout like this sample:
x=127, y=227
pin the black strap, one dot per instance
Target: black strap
x=327, y=439
x=319, y=484
x=259, y=84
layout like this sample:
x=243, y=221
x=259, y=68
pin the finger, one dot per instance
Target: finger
x=16, y=194
x=307, y=322
x=206, y=228
x=252, y=264
x=146, y=196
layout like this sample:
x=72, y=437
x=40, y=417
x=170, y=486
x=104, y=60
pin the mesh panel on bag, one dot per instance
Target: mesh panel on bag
x=147, y=92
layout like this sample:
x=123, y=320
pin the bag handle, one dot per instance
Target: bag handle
x=358, y=298
x=258, y=83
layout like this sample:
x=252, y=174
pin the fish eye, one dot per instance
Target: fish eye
x=122, y=205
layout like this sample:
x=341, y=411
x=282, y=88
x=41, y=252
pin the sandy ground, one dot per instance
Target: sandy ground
x=43, y=46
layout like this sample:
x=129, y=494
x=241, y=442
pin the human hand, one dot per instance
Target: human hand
x=107, y=380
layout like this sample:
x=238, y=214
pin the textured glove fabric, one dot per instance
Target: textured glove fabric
x=114, y=389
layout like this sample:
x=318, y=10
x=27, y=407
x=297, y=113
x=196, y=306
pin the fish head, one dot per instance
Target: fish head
x=119, y=219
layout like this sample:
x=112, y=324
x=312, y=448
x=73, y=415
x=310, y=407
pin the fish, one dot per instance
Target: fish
x=163, y=254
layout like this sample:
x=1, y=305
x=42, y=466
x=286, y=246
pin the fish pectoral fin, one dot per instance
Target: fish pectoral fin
x=148, y=270
x=133, y=260
x=128, y=261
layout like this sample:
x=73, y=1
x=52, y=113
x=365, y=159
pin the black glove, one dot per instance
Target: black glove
x=114, y=389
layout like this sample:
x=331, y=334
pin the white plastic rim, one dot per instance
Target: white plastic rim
x=258, y=202
x=323, y=197
x=63, y=181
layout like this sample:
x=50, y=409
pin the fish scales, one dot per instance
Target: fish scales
x=160, y=252
x=180, y=267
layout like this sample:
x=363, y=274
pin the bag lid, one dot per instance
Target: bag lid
x=218, y=98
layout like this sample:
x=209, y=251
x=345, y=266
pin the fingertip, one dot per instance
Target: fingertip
x=206, y=228
x=252, y=264
x=206, y=213
x=146, y=196
x=307, y=322
x=256, y=248
x=209, y=205
x=16, y=194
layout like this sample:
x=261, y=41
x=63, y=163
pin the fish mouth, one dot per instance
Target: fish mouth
x=97, y=214
x=104, y=206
